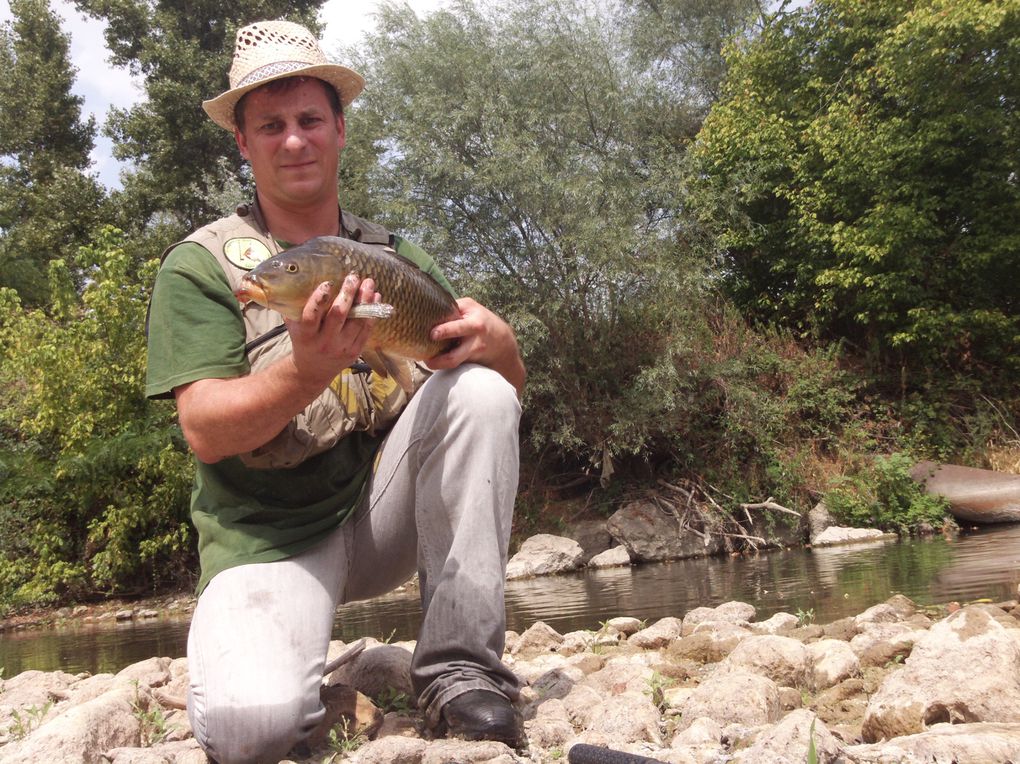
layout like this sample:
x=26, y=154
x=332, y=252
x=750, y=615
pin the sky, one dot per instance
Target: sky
x=102, y=85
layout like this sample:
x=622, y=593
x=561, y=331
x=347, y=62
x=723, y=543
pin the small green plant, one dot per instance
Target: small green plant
x=812, y=752
x=151, y=721
x=390, y=699
x=805, y=617
x=657, y=686
x=28, y=719
x=555, y=754
x=343, y=739
x=884, y=495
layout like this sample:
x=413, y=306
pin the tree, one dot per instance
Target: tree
x=94, y=478
x=514, y=144
x=183, y=51
x=48, y=203
x=870, y=153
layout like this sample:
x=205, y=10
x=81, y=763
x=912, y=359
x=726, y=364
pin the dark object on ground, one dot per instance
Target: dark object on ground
x=582, y=753
x=482, y=715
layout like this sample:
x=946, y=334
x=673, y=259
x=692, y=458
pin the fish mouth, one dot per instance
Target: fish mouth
x=251, y=290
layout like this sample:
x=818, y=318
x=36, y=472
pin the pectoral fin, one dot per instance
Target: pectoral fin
x=391, y=366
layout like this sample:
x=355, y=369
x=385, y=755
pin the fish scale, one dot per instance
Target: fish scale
x=285, y=282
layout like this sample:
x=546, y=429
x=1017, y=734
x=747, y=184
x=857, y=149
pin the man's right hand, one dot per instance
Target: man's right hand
x=225, y=417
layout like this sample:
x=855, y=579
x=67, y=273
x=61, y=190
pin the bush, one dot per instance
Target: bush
x=95, y=478
x=883, y=495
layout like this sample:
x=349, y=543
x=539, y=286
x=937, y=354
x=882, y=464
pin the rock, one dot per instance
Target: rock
x=616, y=557
x=819, y=519
x=593, y=536
x=543, y=555
x=712, y=642
x=468, y=752
x=625, y=625
x=650, y=534
x=82, y=733
x=880, y=643
x=735, y=696
x=951, y=743
x=974, y=495
x=124, y=615
x=151, y=672
x=836, y=534
x=175, y=752
x=539, y=638
x=790, y=740
x=781, y=659
x=377, y=672
x=965, y=669
x=830, y=662
x=551, y=727
x=739, y=613
x=659, y=634
x=391, y=750
x=778, y=622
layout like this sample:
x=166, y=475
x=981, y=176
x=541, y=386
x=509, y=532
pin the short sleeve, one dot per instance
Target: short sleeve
x=195, y=329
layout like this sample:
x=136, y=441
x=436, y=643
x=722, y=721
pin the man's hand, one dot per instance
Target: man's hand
x=324, y=341
x=226, y=417
x=485, y=339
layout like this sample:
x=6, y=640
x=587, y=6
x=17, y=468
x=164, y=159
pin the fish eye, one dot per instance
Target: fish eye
x=291, y=267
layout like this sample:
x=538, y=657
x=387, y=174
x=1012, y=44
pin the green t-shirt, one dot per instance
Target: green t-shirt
x=246, y=515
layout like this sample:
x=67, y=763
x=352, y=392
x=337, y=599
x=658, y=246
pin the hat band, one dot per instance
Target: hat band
x=271, y=70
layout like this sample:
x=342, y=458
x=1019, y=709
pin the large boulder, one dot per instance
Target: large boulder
x=966, y=668
x=781, y=659
x=544, y=555
x=974, y=495
x=651, y=534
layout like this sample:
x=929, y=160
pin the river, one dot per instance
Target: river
x=821, y=584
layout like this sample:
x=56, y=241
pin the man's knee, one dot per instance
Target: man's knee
x=482, y=392
x=252, y=734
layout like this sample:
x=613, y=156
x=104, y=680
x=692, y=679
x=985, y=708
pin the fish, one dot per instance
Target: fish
x=413, y=301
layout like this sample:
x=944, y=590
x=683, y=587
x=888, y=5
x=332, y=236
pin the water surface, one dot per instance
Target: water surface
x=827, y=583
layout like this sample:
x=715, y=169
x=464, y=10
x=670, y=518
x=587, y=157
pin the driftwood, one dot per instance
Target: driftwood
x=697, y=511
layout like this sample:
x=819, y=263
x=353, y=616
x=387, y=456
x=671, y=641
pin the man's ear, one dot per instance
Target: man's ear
x=341, y=130
x=242, y=144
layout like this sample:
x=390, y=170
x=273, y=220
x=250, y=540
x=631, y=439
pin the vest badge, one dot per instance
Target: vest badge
x=245, y=252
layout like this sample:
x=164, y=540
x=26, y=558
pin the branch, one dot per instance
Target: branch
x=770, y=504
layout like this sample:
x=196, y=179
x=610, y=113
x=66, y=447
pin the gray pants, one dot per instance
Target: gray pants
x=440, y=502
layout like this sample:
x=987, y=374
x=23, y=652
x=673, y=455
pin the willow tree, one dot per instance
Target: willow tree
x=516, y=143
x=869, y=153
x=48, y=201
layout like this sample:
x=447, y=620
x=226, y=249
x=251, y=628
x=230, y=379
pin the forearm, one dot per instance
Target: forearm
x=225, y=417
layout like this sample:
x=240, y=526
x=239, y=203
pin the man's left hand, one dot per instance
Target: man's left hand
x=485, y=339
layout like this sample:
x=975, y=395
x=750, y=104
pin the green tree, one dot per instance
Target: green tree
x=181, y=161
x=516, y=149
x=861, y=168
x=94, y=478
x=48, y=202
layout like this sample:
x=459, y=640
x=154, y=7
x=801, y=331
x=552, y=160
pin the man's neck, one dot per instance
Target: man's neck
x=300, y=224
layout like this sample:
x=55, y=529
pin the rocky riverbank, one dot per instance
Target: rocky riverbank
x=894, y=683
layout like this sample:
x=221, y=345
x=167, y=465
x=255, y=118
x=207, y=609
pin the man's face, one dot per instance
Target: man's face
x=292, y=140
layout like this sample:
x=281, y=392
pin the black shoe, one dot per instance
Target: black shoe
x=482, y=715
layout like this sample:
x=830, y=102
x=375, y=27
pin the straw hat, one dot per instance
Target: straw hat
x=271, y=50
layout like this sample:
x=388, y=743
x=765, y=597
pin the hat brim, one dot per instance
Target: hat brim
x=347, y=83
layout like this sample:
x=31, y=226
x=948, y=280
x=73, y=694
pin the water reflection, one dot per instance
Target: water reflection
x=831, y=582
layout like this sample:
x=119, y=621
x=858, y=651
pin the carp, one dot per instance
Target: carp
x=413, y=302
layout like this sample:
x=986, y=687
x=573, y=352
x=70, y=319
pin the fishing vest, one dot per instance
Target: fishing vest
x=356, y=400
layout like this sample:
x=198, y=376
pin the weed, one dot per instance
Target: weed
x=394, y=700
x=151, y=721
x=805, y=617
x=344, y=739
x=657, y=686
x=28, y=719
x=812, y=752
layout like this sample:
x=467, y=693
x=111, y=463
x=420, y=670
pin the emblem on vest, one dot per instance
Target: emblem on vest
x=245, y=252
